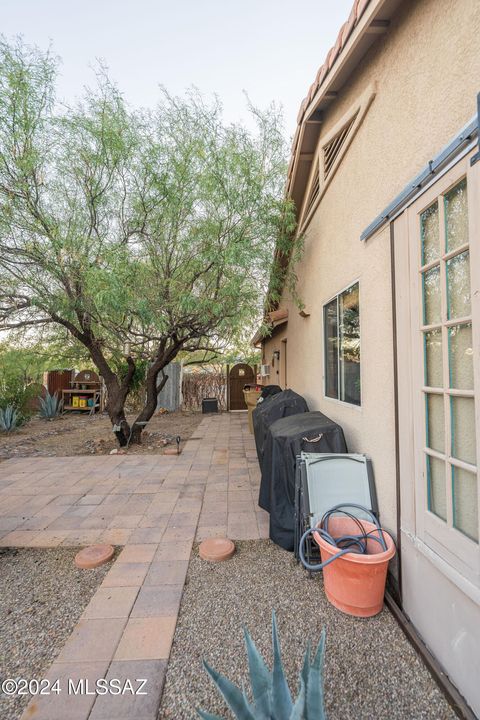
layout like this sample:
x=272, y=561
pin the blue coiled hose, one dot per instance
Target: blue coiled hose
x=346, y=543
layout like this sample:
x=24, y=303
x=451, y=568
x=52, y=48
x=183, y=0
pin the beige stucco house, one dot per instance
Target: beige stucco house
x=387, y=190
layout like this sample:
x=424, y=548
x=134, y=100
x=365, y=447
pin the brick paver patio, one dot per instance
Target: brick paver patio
x=153, y=505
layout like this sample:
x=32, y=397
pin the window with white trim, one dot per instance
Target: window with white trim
x=341, y=326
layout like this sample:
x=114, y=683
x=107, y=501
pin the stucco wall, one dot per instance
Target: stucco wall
x=427, y=74
x=277, y=368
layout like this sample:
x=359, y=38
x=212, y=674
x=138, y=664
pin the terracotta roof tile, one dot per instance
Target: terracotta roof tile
x=320, y=74
x=311, y=92
x=337, y=47
x=359, y=7
x=328, y=59
x=303, y=105
x=345, y=31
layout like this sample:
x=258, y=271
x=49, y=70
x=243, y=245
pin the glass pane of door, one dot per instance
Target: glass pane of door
x=465, y=502
x=437, y=499
x=463, y=429
x=435, y=422
x=431, y=296
x=430, y=234
x=460, y=351
x=456, y=216
x=433, y=359
x=458, y=286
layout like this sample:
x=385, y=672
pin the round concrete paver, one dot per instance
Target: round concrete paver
x=216, y=549
x=93, y=556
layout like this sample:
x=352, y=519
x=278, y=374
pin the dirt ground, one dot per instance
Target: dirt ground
x=77, y=434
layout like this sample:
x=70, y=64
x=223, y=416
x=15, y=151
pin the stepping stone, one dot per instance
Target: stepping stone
x=172, y=451
x=94, y=556
x=216, y=549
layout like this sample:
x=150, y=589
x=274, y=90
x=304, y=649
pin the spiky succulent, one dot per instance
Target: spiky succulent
x=10, y=418
x=272, y=699
x=50, y=405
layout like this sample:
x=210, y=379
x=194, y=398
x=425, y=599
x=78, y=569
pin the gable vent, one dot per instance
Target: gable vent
x=314, y=189
x=332, y=149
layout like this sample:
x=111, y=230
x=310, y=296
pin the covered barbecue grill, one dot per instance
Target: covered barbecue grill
x=274, y=407
x=286, y=439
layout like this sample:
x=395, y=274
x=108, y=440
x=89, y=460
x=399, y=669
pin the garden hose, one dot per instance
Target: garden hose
x=345, y=543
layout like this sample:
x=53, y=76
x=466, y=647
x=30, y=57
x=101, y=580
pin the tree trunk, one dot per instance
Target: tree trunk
x=117, y=396
x=118, y=389
x=150, y=405
x=115, y=408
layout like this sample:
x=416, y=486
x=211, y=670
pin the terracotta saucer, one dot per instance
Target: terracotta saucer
x=216, y=549
x=93, y=556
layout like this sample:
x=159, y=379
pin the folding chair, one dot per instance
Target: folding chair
x=324, y=480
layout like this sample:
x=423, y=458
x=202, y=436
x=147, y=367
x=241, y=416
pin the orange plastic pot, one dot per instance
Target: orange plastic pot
x=354, y=583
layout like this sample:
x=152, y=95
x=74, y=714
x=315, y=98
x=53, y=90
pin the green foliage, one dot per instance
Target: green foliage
x=149, y=230
x=139, y=235
x=271, y=695
x=19, y=368
x=138, y=379
x=49, y=406
x=14, y=392
x=10, y=419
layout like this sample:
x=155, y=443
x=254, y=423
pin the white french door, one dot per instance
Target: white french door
x=444, y=261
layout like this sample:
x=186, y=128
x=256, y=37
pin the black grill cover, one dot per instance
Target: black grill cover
x=269, y=390
x=286, y=438
x=273, y=408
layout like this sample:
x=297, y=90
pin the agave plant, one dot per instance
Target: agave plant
x=271, y=695
x=49, y=406
x=10, y=418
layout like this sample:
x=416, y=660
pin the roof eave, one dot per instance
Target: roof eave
x=368, y=19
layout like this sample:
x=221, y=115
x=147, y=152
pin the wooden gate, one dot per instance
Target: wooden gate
x=240, y=375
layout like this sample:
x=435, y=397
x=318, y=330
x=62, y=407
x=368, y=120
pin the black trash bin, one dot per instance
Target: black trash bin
x=285, y=440
x=274, y=407
x=209, y=405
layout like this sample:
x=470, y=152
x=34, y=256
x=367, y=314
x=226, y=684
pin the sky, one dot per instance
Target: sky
x=271, y=49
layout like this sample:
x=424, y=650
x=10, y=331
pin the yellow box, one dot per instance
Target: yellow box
x=82, y=402
x=75, y=400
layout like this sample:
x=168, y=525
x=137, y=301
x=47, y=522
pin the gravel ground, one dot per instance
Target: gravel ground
x=42, y=595
x=77, y=434
x=371, y=671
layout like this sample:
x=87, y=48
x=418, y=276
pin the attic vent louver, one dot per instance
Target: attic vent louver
x=332, y=149
x=314, y=189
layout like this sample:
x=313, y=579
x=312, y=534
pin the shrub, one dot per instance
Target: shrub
x=271, y=695
x=10, y=418
x=49, y=406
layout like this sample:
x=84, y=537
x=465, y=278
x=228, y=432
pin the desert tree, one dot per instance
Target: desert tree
x=141, y=234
